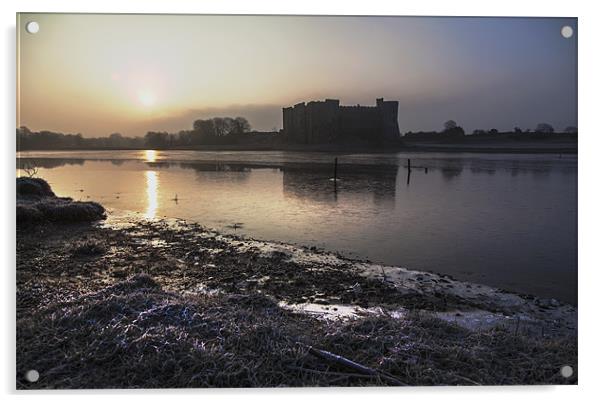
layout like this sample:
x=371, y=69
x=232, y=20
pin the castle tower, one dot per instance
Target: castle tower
x=388, y=113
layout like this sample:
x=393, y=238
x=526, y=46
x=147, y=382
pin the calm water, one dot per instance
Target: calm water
x=504, y=220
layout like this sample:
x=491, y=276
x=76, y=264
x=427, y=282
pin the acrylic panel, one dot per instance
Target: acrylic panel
x=225, y=201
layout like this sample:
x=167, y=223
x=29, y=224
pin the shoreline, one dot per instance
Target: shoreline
x=72, y=277
x=507, y=147
x=449, y=293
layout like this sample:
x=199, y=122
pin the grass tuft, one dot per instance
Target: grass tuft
x=37, y=203
x=88, y=247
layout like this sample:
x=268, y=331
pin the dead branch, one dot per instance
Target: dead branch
x=352, y=365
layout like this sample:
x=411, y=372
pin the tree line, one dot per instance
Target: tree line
x=204, y=131
x=452, y=130
x=48, y=140
x=217, y=130
x=228, y=131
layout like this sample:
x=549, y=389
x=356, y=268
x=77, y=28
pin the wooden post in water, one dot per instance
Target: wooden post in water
x=336, y=162
x=409, y=164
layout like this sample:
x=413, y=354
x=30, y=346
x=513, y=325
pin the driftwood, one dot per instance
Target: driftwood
x=352, y=365
x=332, y=373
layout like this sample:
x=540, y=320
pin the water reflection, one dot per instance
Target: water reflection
x=48, y=163
x=452, y=168
x=504, y=220
x=152, y=194
x=515, y=165
x=315, y=184
x=150, y=155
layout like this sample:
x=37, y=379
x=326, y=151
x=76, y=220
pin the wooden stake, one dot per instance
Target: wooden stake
x=336, y=162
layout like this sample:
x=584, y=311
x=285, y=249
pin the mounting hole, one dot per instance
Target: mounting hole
x=32, y=375
x=566, y=371
x=32, y=27
x=566, y=31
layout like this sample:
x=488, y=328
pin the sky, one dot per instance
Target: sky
x=100, y=74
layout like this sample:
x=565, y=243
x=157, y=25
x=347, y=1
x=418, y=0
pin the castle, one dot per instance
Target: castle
x=321, y=122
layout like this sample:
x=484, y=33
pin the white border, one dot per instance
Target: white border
x=590, y=128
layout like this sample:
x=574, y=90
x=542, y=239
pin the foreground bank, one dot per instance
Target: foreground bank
x=137, y=303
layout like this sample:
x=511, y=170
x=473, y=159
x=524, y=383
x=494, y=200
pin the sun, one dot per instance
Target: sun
x=147, y=98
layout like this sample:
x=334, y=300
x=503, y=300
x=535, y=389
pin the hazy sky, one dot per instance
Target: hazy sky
x=98, y=74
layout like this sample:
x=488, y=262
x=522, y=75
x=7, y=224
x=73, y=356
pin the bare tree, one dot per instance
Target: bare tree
x=452, y=129
x=30, y=170
x=240, y=125
x=220, y=126
x=450, y=125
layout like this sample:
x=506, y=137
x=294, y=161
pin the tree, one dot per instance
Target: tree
x=198, y=124
x=156, y=139
x=227, y=126
x=544, y=128
x=493, y=131
x=203, y=130
x=452, y=129
x=450, y=125
x=517, y=130
x=221, y=126
x=570, y=129
x=77, y=140
x=23, y=130
x=116, y=140
x=240, y=125
x=185, y=137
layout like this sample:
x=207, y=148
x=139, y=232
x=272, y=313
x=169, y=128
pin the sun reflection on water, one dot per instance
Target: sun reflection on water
x=152, y=194
x=150, y=155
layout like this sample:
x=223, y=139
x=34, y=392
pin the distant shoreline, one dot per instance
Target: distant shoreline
x=457, y=148
x=465, y=147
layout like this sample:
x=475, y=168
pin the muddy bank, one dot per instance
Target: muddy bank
x=137, y=303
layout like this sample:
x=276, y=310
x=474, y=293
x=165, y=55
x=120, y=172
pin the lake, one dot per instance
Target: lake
x=505, y=220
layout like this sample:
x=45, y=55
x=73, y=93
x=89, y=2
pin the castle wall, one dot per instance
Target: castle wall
x=300, y=123
x=287, y=122
x=360, y=122
x=322, y=122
